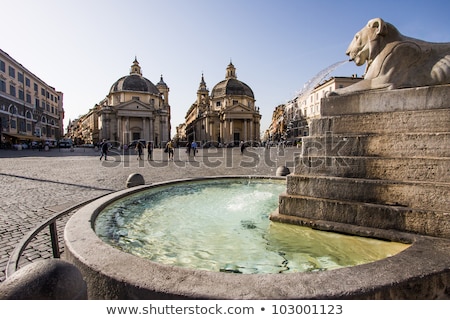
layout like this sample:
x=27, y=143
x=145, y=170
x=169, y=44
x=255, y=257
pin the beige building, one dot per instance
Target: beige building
x=84, y=130
x=310, y=105
x=135, y=109
x=227, y=115
x=30, y=109
x=290, y=121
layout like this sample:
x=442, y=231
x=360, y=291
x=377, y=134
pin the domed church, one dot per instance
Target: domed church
x=227, y=116
x=135, y=109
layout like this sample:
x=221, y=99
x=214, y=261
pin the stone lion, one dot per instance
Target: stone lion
x=394, y=61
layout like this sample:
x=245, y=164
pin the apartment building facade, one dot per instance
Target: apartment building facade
x=30, y=109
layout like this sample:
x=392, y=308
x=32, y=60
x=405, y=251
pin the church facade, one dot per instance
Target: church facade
x=135, y=109
x=227, y=115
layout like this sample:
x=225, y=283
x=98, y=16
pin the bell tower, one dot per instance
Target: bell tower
x=202, y=93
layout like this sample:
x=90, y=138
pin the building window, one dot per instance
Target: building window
x=2, y=86
x=218, y=104
x=12, y=72
x=27, y=82
x=12, y=90
x=36, y=102
x=21, y=95
x=42, y=92
x=36, y=87
x=22, y=125
x=235, y=102
x=13, y=123
x=2, y=66
x=28, y=127
x=20, y=76
x=28, y=98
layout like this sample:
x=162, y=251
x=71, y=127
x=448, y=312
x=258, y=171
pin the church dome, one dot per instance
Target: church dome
x=134, y=82
x=231, y=86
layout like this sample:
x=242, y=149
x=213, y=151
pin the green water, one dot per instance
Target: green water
x=223, y=225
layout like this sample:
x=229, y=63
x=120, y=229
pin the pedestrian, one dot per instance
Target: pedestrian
x=104, y=149
x=170, y=149
x=139, y=149
x=188, y=148
x=242, y=147
x=194, y=147
x=149, y=150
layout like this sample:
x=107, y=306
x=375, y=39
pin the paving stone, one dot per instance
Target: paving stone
x=36, y=186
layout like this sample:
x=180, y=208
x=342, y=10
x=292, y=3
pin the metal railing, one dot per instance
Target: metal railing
x=13, y=262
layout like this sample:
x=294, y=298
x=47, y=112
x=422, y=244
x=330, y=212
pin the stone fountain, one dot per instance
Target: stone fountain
x=378, y=159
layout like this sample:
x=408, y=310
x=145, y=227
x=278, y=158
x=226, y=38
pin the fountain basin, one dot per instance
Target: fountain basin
x=417, y=272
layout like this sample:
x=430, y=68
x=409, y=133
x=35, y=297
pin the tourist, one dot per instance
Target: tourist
x=104, y=149
x=170, y=149
x=149, y=150
x=188, y=148
x=194, y=147
x=139, y=148
x=242, y=147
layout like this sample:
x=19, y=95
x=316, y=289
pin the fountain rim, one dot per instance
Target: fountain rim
x=124, y=274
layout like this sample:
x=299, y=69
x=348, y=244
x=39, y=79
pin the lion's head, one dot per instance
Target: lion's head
x=361, y=48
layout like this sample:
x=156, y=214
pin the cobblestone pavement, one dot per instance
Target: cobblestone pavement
x=35, y=185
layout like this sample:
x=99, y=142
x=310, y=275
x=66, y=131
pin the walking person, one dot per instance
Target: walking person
x=188, y=148
x=242, y=147
x=194, y=147
x=104, y=149
x=139, y=149
x=149, y=150
x=170, y=149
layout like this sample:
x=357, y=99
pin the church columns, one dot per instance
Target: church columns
x=245, y=137
x=119, y=128
x=251, y=131
x=126, y=136
x=144, y=129
x=151, y=129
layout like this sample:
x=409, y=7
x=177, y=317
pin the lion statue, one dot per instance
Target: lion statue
x=394, y=61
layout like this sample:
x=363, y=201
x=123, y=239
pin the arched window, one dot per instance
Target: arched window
x=28, y=114
x=12, y=109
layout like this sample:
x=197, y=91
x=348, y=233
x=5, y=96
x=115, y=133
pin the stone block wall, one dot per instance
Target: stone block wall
x=378, y=160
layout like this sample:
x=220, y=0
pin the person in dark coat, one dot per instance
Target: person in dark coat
x=104, y=149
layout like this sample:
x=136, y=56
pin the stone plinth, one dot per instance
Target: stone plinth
x=378, y=160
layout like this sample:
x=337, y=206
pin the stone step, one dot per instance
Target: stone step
x=392, y=122
x=401, y=169
x=409, y=99
x=417, y=195
x=313, y=211
x=392, y=145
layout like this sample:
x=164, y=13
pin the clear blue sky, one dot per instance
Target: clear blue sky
x=82, y=47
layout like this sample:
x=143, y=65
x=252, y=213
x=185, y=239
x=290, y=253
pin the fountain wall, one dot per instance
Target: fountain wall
x=376, y=159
